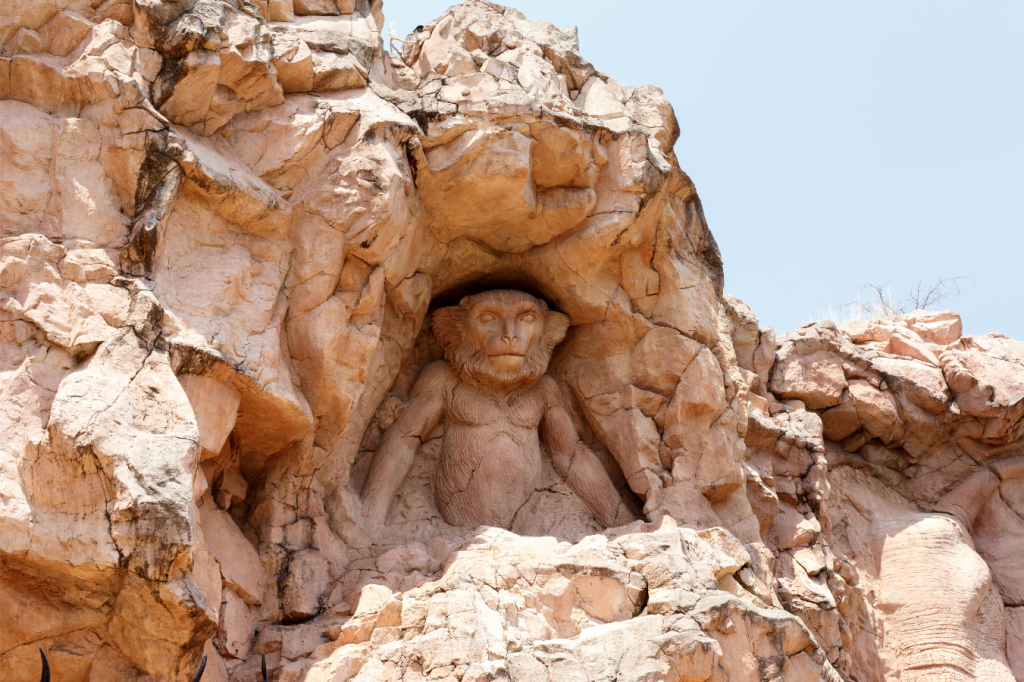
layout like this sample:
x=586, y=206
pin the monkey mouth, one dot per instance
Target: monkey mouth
x=507, y=362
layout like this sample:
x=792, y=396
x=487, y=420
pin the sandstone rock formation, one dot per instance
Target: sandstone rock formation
x=230, y=235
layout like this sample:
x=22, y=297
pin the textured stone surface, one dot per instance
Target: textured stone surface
x=231, y=240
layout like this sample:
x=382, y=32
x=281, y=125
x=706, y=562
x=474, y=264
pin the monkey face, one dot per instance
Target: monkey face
x=500, y=339
x=506, y=332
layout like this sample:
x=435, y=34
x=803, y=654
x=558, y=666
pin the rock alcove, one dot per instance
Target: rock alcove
x=554, y=509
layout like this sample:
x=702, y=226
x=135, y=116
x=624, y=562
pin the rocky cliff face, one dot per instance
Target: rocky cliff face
x=227, y=227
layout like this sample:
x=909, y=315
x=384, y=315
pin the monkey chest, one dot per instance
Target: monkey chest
x=469, y=407
x=490, y=455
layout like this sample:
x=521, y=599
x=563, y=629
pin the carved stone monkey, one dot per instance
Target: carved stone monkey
x=498, y=406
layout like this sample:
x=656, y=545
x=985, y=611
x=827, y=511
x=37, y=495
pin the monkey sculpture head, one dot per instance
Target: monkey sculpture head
x=499, y=339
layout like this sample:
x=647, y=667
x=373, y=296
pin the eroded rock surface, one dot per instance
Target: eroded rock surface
x=233, y=235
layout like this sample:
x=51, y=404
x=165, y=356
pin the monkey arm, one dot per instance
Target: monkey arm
x=574, y=461
x=394, y=457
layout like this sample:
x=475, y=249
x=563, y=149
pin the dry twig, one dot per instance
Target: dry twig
x=882, y=302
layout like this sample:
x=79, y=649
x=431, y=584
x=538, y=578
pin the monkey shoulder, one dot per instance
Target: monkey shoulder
x=436, y=378
x=549, y=389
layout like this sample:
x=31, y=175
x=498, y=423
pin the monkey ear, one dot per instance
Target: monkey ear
x=446, y=323
x=555, y=327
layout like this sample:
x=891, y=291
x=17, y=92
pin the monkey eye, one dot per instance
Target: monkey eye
x=528, y=317
x=487, y=317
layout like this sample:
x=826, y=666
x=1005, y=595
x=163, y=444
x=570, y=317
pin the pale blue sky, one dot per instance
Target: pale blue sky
x=833, y=144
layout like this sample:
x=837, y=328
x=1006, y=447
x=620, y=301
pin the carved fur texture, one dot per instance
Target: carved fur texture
x=448, y=325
